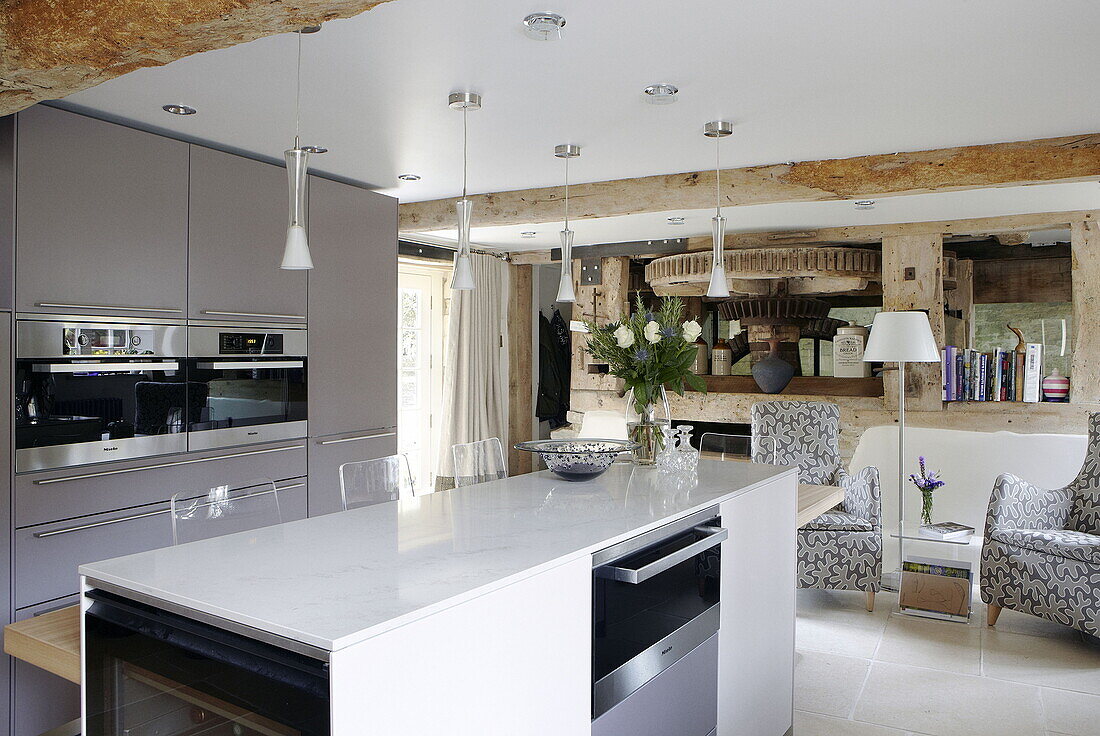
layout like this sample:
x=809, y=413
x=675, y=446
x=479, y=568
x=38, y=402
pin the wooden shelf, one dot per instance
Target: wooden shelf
x=50, y=641
x=802, y=385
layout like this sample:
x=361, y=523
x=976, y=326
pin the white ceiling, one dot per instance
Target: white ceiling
x=802, y=80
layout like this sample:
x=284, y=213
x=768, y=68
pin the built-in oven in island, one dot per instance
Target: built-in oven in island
x=249, y=385
x=90, y=392
x=153, y=672
x=656, y=603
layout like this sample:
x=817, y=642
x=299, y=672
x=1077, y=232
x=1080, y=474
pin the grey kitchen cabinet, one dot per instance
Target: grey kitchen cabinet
x=327, y=454
x=237, y=229
x=41, y=700
x=47, y=555
x=5, y=500
x=100, y=217
x=54, y=495
x=352, y=309
x=7, y=212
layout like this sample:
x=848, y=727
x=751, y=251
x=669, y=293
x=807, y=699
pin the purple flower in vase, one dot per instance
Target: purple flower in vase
x=669, y=331
x=641, y=354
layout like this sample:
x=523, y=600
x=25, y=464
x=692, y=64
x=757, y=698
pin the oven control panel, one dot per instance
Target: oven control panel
x=98, y=340
x=250, y=343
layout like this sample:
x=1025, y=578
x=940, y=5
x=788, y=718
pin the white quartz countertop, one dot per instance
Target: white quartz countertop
x=332, y=581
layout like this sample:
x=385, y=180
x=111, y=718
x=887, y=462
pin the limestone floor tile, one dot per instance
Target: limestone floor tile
x=838, y=623
x=1015, y=622
x=941, y=703
x=1068, y=664
x=827, y=684
x=1075, y=714
x=812, y=724
x=921, y=642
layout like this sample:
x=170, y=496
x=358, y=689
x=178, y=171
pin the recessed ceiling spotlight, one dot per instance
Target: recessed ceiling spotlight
x=409, y=177
x=314, y=149
x=865, y=204
x=675, y=221
x=543, y=26
x=661, y=94
x=528, y=234
x=179, y=109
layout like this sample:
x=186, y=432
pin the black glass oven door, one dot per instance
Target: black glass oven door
x=235, y=394
x=152, y=673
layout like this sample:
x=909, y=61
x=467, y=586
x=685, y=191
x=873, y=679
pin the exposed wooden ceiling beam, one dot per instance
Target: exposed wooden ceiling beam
x=51, y=49
x=1071, y=158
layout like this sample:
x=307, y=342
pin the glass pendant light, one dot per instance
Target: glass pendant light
x=719, y=287
x=296, y=251
x=463, y=277
x=565, y=283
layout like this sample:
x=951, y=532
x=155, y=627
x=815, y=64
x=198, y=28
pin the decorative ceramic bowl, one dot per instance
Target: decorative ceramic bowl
x=579, y=459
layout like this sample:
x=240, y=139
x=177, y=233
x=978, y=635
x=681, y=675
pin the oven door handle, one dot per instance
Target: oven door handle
x=230, y=365
x=103, y=367
x=715, y=535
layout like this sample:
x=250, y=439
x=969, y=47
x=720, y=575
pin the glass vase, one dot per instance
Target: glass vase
x=645, y=424
x=926, y=507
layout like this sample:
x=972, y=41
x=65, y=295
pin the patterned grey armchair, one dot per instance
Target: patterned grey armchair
x=1041, y=553
x=842, y=548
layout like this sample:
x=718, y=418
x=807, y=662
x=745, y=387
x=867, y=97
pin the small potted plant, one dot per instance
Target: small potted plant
x=927, y=481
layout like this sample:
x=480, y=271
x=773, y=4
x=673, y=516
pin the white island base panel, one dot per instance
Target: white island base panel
x=469, y=613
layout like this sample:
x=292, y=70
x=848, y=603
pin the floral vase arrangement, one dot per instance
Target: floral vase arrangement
x=649, y=351
x=927, y=481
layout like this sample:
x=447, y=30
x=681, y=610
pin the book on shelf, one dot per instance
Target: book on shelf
x=936, y=588
x=998, y=375
x=945, y=530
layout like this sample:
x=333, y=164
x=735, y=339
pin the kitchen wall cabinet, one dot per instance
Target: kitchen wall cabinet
x=237, y=229
x=5, y=501
x=327, y=454
x=352, y=308
x=101, y=217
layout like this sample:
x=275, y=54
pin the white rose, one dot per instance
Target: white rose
x=624, y=336
x=692, y=330
x=652, y=332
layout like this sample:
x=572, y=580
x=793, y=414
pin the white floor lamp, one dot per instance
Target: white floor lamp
x=901, y=337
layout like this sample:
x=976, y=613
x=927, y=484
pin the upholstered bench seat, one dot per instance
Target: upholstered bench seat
x=840, y=521
x=1058, y=542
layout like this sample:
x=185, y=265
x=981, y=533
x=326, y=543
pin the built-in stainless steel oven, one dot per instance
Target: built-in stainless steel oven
x=88, y=392
x=153, y=672
x=249, y=385
x=655, y=621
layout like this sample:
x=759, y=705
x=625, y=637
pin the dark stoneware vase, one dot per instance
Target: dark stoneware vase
x=772, y=374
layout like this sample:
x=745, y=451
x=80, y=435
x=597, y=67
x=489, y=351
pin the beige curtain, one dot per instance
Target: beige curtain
x=475, y=383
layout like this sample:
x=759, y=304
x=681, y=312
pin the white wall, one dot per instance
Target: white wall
x=969, y=463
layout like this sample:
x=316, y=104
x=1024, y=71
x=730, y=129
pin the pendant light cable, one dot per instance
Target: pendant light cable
x=566, y=193
x=464, y=146
x=298, y=93
x=718, y=175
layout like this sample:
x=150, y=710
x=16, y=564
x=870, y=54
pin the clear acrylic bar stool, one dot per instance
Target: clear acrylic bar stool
x=478, y=462
x=224, y=510
x=368, y=482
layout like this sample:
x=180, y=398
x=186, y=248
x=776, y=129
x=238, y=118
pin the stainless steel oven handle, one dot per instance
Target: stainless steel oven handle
x=104, y=367
x=158, y=466
x=59, y=305
x=253, y=314
x=132, y=517
x=360, y=437
x=229, y=365
x=715, y=535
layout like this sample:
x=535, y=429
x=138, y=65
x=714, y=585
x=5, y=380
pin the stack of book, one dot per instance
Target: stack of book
x=936, y=588
x=1003, y=375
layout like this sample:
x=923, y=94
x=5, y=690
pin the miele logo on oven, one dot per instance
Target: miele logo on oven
x=109, y=449
x=666, y=650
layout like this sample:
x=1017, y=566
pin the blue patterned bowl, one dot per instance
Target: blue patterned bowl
x=579, y=459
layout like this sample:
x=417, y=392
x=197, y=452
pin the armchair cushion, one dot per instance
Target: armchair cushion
x=839, y=521
x=1065, y=543
x=1017, y=504
x=862, y=494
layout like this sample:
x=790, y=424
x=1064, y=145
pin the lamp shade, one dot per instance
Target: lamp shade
x=901, y=336
x=463, y=278
x=566, y=292
x=296, y=251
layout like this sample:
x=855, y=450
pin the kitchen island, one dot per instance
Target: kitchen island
x=464, y=612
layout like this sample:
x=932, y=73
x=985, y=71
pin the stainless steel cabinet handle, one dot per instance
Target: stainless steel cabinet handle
x=102, y=367
x=60, y=305
x=133, y=517
x=175, y=463
x=257, y=493
x=253, y=314
x=94, y=524
x=384, y=433
x=229, y=365
x=714, y=536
